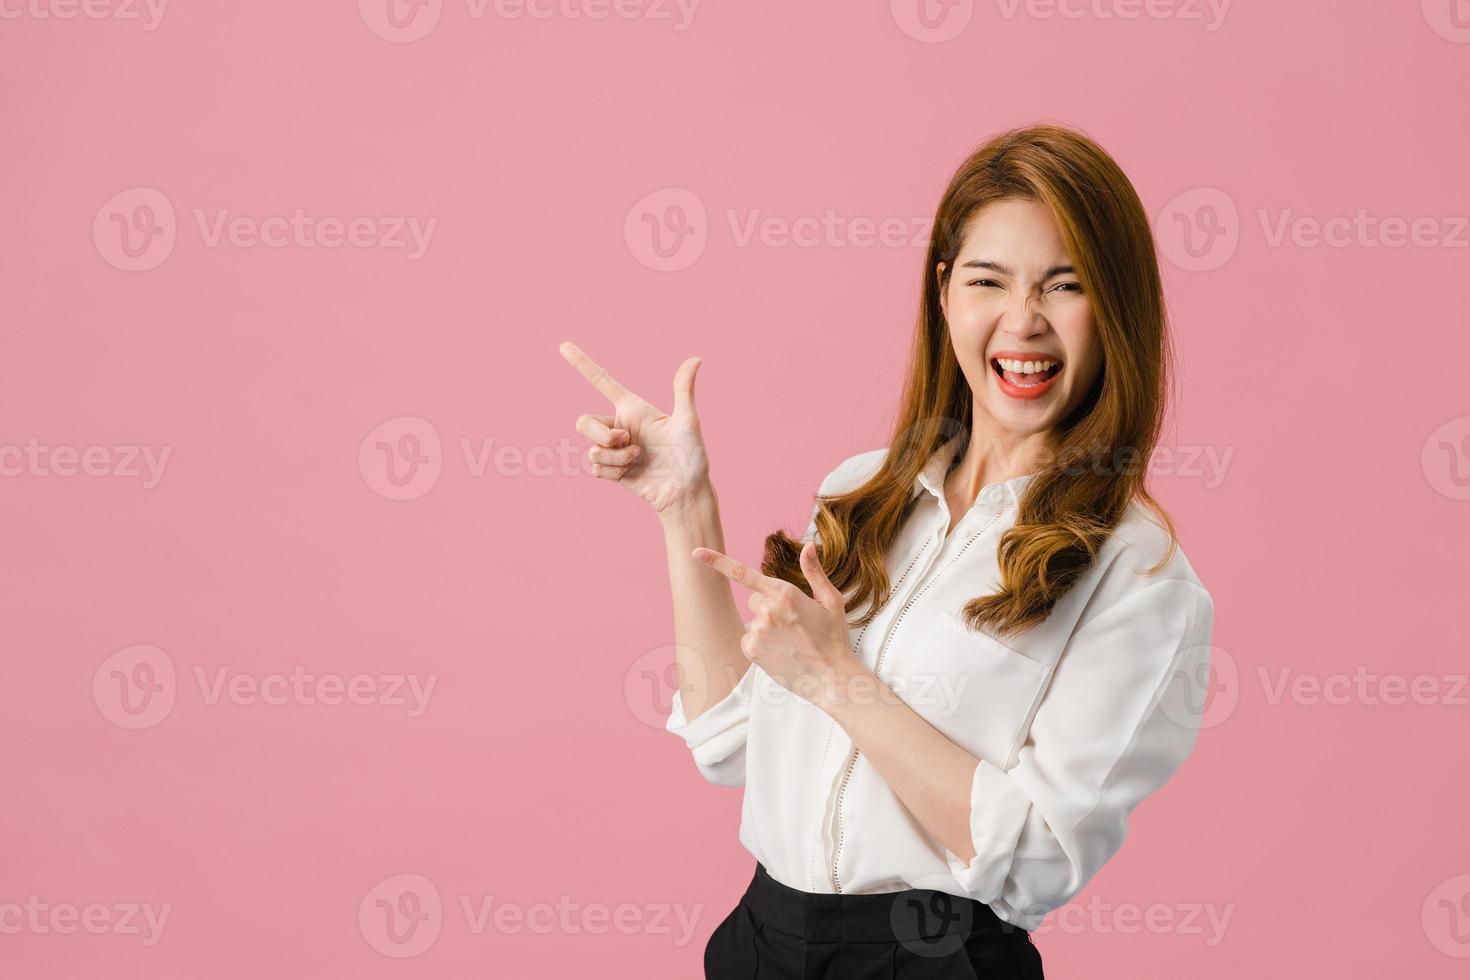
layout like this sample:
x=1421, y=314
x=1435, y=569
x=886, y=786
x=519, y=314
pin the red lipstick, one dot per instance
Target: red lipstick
x=1016, y=384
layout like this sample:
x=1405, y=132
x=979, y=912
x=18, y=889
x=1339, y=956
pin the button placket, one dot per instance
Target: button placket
x=954, y=547
x=835, y=764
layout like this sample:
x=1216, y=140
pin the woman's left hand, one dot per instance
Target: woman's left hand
x=801, y=642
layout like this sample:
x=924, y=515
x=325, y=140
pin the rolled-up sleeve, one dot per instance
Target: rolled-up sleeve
x=1119, y=718
x=717, y=738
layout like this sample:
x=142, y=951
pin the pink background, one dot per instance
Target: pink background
x=1325, y=830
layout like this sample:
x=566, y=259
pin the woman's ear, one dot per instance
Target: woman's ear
x=943, y=297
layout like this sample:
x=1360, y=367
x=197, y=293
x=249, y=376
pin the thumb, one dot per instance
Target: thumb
x=684, y=387
x=822, y=588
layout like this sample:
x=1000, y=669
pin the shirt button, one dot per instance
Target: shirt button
x=991, y=495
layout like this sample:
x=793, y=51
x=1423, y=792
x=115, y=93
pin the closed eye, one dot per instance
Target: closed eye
x=1075, y=287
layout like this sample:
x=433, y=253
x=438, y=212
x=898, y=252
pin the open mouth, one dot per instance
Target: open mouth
x=1033, y=374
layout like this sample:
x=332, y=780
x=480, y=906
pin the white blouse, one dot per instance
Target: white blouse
x=1074, y=723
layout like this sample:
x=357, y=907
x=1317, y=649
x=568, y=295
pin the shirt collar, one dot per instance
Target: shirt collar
x=931, y=477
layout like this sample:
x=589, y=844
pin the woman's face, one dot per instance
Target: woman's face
x=1013, y=296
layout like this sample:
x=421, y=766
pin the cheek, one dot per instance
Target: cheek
x=1080, y=340
x=966, y=332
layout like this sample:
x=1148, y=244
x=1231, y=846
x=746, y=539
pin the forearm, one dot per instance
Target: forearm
x=929, y=773
x=707, y=624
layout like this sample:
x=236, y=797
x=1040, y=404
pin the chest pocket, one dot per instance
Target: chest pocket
x=976, y=690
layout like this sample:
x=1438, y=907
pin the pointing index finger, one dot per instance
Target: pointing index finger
x=735, y=571
x=592, y=371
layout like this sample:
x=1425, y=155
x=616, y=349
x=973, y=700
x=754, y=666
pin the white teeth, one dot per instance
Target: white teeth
x=1024, y=367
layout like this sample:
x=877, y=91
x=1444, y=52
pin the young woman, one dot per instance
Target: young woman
x=988, y=648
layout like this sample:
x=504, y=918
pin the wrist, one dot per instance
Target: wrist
x=850, y=690
x=693, y=506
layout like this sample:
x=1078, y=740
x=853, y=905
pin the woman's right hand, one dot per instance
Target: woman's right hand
x=658, y=456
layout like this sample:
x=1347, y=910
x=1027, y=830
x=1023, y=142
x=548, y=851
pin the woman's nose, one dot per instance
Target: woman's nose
x=1022, y=317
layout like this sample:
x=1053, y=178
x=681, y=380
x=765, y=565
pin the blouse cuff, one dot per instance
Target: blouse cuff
x=998, y=809
x=720, y=729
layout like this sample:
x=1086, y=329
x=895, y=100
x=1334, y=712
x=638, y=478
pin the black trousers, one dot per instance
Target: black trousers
x=780, y=933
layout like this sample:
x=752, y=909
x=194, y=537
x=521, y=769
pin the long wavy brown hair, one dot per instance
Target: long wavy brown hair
x=1097, y=458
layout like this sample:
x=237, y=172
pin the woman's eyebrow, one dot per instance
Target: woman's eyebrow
x=1056, y=270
